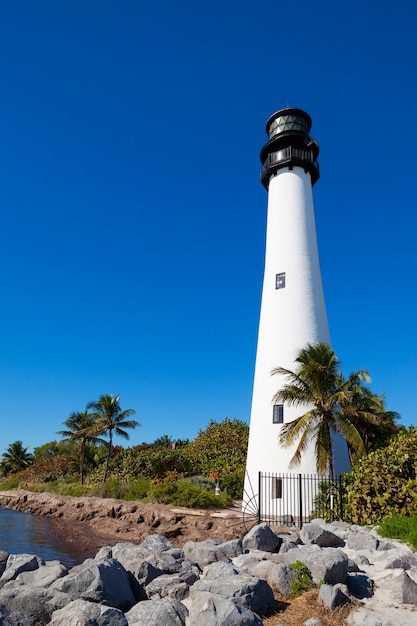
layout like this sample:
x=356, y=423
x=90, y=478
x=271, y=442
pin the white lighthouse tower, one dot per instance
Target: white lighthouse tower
x=293, y=311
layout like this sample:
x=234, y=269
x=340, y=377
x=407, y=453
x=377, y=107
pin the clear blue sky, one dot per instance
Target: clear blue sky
x=133, y=220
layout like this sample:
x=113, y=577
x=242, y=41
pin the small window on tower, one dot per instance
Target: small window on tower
x=280, y=281
x=278, y=414
x=276, y=488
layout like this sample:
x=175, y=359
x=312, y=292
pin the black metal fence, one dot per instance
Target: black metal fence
x=293, y=499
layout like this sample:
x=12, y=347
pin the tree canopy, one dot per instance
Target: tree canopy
x=332, y=405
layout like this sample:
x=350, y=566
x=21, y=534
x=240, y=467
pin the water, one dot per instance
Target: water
x=23, y=533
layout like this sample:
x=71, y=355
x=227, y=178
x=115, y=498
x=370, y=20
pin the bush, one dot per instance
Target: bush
x=302, y=581
x=384, y=483
x=112, y=488
x=50, y=470
x=209, y=484
x=182, y=493
x=152, y=463
x=10, y=483
x=233, y=483
x=220, y=450
x=400, y=527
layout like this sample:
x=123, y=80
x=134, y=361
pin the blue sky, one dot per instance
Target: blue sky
x=133, y=220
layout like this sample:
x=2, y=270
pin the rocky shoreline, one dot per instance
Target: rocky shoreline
x=91, y=522
x=215, y=582
x=206, y=580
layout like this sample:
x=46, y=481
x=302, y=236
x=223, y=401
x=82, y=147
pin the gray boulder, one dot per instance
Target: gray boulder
x=315, y=533
x=360, y=586
x=164, y=612
x=18, y=563
x=261, y=537
x=3, y=559
x=334, y=596
x=209, y=609
x=44, y=576
x=360, y=539
x=13, y=618
x=221, y=570
x=254, y=556
x=34, y=603
x=167, y=585
x=249, y=592
x=329, y=565
x=104, y=581
x=84, y=613
x=131, y=556
x=205, y=552
x=277, y=575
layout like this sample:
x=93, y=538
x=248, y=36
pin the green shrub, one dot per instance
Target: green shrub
x=221, y=449
x=302, y=581
x=400, y=527
x=153, y=463
x=209, y=484
x=384, y=482
x=182, y=493
x=10, y=483
x=232, y=483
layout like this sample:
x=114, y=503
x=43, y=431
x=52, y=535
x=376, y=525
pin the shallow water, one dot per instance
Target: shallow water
x=23, y=533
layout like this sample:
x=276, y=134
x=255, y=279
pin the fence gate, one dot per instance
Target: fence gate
x=293, y=499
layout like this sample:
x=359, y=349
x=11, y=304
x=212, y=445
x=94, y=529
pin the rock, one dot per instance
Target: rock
x=314, y=533
x=261, y=537
x=167, y=585
x=359, y=539
x=34, y=603
x=165, y=612
x=254, y=556
x=3, y=558
x=84, y=613
x=130, y=555
x=44, y=576
x=334, y=596
x=209, y=609
x=104, y=581
x=18, y=563
x=327, y=565
x=249, y=592
x=205, y=552
x=14, y=618
x=360, y=586
x=277, y=575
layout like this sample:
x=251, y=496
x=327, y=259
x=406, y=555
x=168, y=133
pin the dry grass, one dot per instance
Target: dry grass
x=296, y=611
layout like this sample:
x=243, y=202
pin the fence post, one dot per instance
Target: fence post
x=259, y=497
x=300, y=499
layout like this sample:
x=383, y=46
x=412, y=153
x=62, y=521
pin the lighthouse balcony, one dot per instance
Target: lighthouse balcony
x=289, y=157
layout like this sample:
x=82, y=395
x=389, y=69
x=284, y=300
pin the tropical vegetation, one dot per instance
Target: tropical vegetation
x=110, y=419
x=332, y=404
x=384, y=482
x=188, y=473
x=15, y=458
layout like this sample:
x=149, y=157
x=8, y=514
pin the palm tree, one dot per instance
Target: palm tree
x=110, y=418
x=81, y=428
x=375, y=433
x=165, y=441
x=338, y=405
x=16, y=458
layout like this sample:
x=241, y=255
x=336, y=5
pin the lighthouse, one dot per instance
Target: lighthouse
x=293, y=311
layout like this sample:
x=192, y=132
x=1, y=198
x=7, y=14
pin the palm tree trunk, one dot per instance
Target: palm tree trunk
x=82, y=463
x=106, y=468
